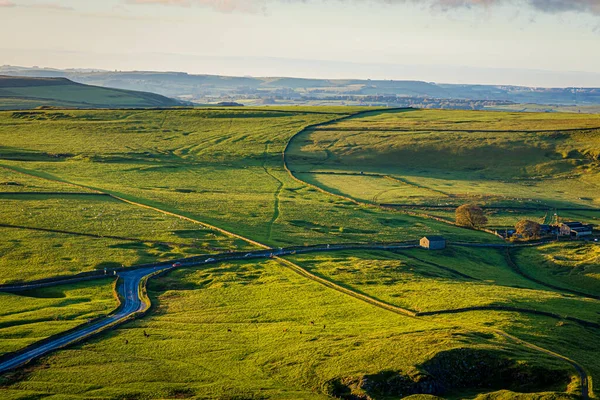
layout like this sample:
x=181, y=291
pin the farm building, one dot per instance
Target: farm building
x=433, y=242
x=575, y=229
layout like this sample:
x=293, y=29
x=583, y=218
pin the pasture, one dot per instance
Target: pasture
x=561, y=264
x=89, y=189
x=438, y=158
x=248, y=330
x=454, y=278
x=28, y=317
x=60, y=234
x=222, y=167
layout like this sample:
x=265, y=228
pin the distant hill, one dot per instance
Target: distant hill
x=32, y=92
x=278, y=90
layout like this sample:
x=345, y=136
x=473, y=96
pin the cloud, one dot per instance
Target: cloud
x=547, y=6
x=589, y=6
x=47, y=6
x=251, y=6
x=52, y=6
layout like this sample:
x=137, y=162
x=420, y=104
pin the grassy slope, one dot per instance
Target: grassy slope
x=415, y=279
x=561, y=264
x=432, y=163
x=422, y=281
x=31, y=316
x=272, y=351
x=139, y=236
x=222, y=167
x=180, y=160
x=27, y=93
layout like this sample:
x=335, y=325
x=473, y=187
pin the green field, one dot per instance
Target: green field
x=57, y=234
x=454, y=278
x=83, y=190
x=438, y=158
x=290, y=338
x=221, y=167
x=566, y=263
x=28, y=317
x=538, y=108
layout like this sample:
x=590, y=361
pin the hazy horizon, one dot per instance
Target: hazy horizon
x=503, y=42
x=476, y=76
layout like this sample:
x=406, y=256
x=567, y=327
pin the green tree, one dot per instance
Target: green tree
x=470, y=215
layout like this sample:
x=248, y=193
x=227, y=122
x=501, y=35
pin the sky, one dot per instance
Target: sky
x=521, y=42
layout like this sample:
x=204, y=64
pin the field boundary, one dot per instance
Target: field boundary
x=138, y=204
x=425, y=130
x=520, y=310
x=352, y=293
x=280, y=186
x=411, y=313
x=93, y=235
x=51, y=194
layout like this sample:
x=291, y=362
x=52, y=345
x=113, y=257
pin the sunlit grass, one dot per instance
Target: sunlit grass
x=28, y=317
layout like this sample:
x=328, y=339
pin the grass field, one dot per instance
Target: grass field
x=257, y=330
x=289, y=338
x=56, y=234
x=461, y=278
x=571, y=264
x=28, y=317
x=221, y=167
x=454, y=278
x=434, y=157
x=538, y=108
x=12, y=182
x=105, y=216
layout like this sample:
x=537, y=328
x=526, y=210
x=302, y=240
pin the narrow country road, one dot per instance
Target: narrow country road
x=132, y=303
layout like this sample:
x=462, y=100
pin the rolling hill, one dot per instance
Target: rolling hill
x=297, y=91
x=31, y=92
x=88, y=190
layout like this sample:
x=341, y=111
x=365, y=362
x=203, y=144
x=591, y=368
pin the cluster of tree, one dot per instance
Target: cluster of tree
x=472, y=216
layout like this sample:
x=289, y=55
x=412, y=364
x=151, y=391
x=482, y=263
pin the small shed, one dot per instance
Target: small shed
x=433, y=243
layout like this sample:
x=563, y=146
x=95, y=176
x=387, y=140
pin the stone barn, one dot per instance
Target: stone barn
x=433, y=243
x=576, y=229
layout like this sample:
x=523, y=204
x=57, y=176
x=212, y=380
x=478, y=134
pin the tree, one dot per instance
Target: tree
x=470, y=215
x=528, y=229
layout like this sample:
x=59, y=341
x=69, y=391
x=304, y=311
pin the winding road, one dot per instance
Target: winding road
x=133, y=303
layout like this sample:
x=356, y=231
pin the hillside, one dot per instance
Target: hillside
x=353, y=310
x=281, y=90
x=29, y=92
